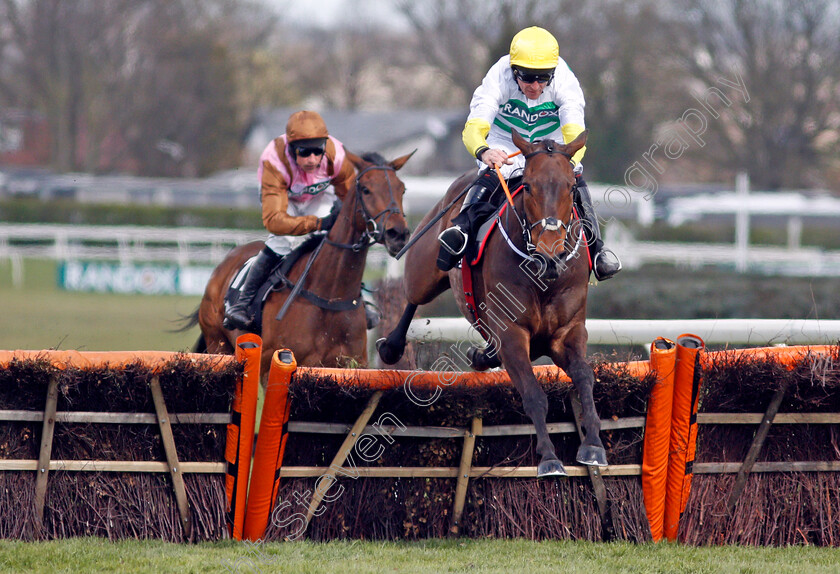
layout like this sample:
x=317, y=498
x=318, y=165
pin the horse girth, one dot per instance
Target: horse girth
x=321, y=302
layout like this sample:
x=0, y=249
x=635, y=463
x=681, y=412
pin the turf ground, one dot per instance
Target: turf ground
x=469, y=556
x=39, y=315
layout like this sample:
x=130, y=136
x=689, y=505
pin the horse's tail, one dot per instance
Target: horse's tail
x=187, y=321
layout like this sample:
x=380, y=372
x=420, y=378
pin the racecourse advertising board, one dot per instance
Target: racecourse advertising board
x=144, y=278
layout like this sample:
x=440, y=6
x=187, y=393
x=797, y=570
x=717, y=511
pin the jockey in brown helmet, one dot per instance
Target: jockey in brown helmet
x=303, y=176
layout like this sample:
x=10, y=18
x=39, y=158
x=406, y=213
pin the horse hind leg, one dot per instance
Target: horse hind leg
x=200, y=345
x=392, y=347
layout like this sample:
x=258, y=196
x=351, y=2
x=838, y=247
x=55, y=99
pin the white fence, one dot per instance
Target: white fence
x=190, y=246
x=801, y=261
x=124, y=243
x=642, y=332
x=127, y=244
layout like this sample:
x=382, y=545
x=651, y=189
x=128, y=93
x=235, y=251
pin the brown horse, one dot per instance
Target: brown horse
x=529, y=291
x=371, y=213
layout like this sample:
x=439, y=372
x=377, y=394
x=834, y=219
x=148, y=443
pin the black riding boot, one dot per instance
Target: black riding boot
x=453, y=240
x=605, y=263
x=238, y=317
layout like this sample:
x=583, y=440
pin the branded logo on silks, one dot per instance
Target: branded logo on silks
x=310, y=190
x=531, y=122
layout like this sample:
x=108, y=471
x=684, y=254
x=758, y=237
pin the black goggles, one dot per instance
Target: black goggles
x=308, y=151
x=531, y=78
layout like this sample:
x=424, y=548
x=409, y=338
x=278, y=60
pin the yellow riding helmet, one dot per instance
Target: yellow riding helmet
x=534, y=48
x=305, y=125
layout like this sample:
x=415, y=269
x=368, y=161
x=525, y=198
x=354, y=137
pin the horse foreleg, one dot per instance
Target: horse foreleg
x=515, y=359
x=392, y=347
x=591, y=451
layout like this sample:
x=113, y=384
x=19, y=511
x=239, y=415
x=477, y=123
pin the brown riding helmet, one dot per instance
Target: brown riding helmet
x=307, y=128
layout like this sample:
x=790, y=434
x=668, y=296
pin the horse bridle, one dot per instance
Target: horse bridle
x=372, y=233
x=547, y=223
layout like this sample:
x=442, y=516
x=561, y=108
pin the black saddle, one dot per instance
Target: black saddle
x=276, y=279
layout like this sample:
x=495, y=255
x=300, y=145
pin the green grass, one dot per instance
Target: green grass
x=39, y=315
x=473, y=556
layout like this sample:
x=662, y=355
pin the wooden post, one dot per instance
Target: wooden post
x=756, y=446
x=464, y=475
x=326, y=481
x=598, y=486
x=43, y=471
x=172, y=457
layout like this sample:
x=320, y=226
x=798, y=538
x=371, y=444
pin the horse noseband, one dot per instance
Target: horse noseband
x=549, y=224
x=372, y=228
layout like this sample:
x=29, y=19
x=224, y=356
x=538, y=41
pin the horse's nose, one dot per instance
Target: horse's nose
x=395, y=239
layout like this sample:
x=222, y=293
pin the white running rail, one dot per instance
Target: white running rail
x=642, y=332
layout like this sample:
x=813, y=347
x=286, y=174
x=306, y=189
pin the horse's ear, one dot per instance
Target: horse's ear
x=400, y=161
x=355, y=160
x=573, y=146
x=524, y=145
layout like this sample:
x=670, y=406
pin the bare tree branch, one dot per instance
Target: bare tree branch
x=786, y=54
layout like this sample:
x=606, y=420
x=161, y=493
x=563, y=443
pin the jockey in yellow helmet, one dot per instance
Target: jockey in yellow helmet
x=533, y=91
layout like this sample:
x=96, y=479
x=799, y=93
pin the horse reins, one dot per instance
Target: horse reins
x=370, y=235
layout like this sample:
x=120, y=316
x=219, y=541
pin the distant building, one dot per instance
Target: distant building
x=435, y=134
x=24, y=138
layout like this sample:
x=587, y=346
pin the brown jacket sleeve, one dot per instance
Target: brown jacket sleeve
x=274, y=192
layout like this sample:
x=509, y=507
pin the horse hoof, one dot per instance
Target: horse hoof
x=479, y=360
x=387, y=352
x=592, y=455
x=551, y=468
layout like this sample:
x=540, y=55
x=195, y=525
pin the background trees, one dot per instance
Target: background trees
x=787, y=53
x=167, y=87
x=151, y=86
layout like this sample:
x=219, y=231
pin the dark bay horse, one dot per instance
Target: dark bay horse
x=372, y=212
x=529, y=291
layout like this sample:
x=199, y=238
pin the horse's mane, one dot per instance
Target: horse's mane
x=374, y=158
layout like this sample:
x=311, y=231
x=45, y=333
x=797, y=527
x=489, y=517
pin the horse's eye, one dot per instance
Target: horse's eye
x=365, y=190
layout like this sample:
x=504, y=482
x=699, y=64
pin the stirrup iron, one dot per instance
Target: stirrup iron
x=450, y=235
x=612, y=261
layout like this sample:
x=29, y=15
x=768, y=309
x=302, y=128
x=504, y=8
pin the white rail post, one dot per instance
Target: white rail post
x=742, y=221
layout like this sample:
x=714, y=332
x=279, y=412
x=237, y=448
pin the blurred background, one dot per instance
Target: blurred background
x=130, y=131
